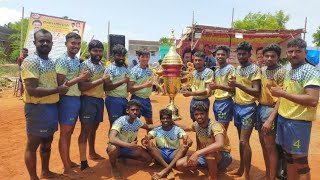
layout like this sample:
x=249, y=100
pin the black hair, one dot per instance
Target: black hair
x=43, y=31
x=36, y=20
x=259, y=49
x=160, y=61
x=223, y=48
x=25, y=49
x=272, y=47
x=118, y=49
x=200, y=106
x=143, y=52
x=244, y=46
x=164, y=112
x=297, y=42
x=95, y=44
x=72, y=35
x=188, y=50
x=200, y=54
x=133, y=102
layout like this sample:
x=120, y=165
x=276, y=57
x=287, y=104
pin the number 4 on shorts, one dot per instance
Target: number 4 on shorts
x=297, y=144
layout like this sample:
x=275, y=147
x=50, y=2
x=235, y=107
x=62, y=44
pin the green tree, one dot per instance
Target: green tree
x=84, y=49
x=16, y=37
x=263, y=21
x=316, y=37
x=164, y=41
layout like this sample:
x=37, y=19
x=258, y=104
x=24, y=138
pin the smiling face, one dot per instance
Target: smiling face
x=201, y=117
x=73, y=46
x=96, y=54
x=119, y=59
x=144, y=60
x=221, y=57
x=166, y=121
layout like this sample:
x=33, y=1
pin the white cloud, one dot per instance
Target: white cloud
x=9, y=15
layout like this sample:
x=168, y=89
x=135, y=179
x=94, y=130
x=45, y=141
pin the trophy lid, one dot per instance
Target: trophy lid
x=172, y=57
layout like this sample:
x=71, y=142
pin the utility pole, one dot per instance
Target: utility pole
x=21, y=33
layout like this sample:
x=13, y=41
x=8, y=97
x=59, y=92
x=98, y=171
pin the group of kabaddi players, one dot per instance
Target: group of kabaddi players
x=280, y=104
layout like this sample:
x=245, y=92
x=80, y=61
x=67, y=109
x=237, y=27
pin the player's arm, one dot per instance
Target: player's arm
x=184, y=126
x=146, y=140
x=86, y=85
x=253, y=91
x=109, y=85
x=33, y=89
x=61, y=78
x=149, y=127
x=267, y=125
x=310, y=98
x=116, y=141
x=214, y=86
x=186, y=141
x=215, y=147
x=132, y=88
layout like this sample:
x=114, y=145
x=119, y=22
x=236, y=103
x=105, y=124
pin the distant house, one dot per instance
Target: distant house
x=152, y=46
x=4, y=41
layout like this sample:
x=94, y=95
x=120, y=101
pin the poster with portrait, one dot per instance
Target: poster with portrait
x=59, y=28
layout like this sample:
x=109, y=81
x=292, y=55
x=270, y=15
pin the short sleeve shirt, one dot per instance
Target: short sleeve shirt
x=245, y=76
x=127, y=132
x=270, y=78
x=116, y=74
x=96, y=72
x=70, y=67
x=200, y=81
x=168, y=139
x=43, y=70
x=222, y=76
x=206, y=136
x=296, y=80
x=140, y=76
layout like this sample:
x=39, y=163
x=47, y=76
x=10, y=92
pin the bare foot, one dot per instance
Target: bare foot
x=49, y=175
x=236, y=172
x=170, y=176
x=87, y=170
x=246, y=176
x=73, y=164
x=71, y=175
x=155, y=177
x=95, y=157
x=115, y=173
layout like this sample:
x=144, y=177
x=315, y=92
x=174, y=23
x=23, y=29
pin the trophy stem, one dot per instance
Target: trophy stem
x=173, y=108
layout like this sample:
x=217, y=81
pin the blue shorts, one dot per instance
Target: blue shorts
x=293, y=135
x=146, y=107
x=193, y=101
x=245, y=115
x=41, y=119
x=116, y=107
x=224, y=163
x=263, y=113
x=69, y=108
x=91, y=110
x=223, y=110
x=124, y=152
x=167, y=154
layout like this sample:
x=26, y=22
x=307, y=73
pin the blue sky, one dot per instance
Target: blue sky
x=151, y=20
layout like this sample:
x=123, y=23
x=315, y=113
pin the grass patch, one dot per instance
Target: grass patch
x=10, y=70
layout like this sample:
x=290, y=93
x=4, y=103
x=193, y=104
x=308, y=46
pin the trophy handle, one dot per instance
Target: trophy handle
x=188, y=76
x=155, y=68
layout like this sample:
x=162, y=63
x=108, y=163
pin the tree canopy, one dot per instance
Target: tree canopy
x=316, y=37
x=260, y=20
x=164, y=41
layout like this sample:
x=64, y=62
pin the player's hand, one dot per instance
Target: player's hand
x=134, y=146
x=193, y=160
x=148, y=83
x=186, y=141
x=232, y=82
x=277, y=91
x=186, y=93
x=85, y=75
x=267, y=126
x=63, y=88
x=105, y=76
x=125, y=79
x=213, y=86
x=145, y=141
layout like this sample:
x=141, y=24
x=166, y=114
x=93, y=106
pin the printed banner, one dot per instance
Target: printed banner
x=59, y=28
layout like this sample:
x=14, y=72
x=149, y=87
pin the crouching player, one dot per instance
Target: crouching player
x=167, y=150
x=213, y=148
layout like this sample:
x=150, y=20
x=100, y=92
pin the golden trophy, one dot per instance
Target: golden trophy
x=171, y=71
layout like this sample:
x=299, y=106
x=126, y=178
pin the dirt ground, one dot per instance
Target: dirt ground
x=13, y=140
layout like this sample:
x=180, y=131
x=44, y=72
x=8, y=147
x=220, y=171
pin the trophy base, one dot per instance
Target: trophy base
x=175, y=112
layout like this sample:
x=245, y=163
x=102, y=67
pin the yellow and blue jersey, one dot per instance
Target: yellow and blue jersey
x=222, y=76
x=200, y=81
x=140, y=76
x=116, y=74
x=127, y=132
x=43, y=70
x=168, y=139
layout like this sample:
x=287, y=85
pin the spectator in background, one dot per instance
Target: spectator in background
x=259, y=55
x=134, y=63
